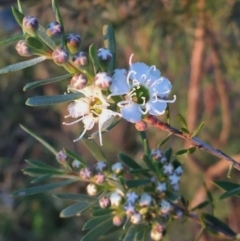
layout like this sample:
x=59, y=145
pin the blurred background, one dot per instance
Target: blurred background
x=194, y=43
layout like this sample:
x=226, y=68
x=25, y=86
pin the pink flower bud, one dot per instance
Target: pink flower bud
x=117, y=220
x=78, y=81
x=104, y=202
x=30, y=25
x=80, y=59
x=85, y=173
x=141, y=125
x=157, y=232
x=23, y=49
x=156, y=154
x=103, y=80
x=54, y=30
x=61, y=157
x=99, y=178
x=60, y=56
x=73, y=42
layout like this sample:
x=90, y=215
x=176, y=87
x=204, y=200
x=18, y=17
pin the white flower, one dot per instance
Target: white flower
x=91, y=189
x=100, y=166
x=136, y=218
x=145, y=200
x=179, y=170
x=168, y=168
x=165, y=206
x=117, y=220
x=131, y=197
x=115, y=199
x=156, y=232
x=103, y=80
x=91, y=109
x=161, y=186
x=76, y=164
x=129, y=208
x=174, y=179
x=145, y=90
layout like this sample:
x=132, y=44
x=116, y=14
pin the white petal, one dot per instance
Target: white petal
x=131, y=113
x=88, y=122
x=79, y=108
x=119, y=84
x=157, y=108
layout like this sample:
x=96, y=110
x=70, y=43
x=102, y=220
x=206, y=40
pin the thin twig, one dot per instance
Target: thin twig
x=194, y=140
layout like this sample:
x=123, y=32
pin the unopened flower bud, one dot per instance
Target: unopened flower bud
x=80, y=59
x=115, y=199
x=117, y=168
x=103, y=80
x=60, y=56
x=136, y=218
x=101, y=166
x=61, y=157
x=161, y=187
x=145, y=200
x=104, y=202
x=104, y=54
x=78, y=81
x=85, y=173
x=99, y=178
x=23, y=49
x=165, y=206
x=76, y=164
x=156, y=154
x=129, y=209
x=117, y=220
x=157, y=232
x=54, y=30
x=91, y=189
x=178, y=171
x=141, y=125
x=73, y=42
x=30, y=25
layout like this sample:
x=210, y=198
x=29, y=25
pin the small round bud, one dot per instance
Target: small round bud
x=104, y=202
x=76, y=164
x=168, y=168
x=30, y=25
x=115, y=199
x=157, y=232
x=145, y=200
x=91, y=189
x=78, y=81
x=61, y=157
x=117, y=168
x=23, y=49
x=104, y=54
x=60, y=56
x=99, y=178
x=117, y=220
x=178, y=171
x=129, y=209
x=73, y=42
x=54, y=30
x=161, y=187
x=80, y=59
x=131, y=197
x=165, y=206
x=101, y=166
x=103, y=80
x=141, y=125
x=156, y=154
x=136, y=218
x=85, y=173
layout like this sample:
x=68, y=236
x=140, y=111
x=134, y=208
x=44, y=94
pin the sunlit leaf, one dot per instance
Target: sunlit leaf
x=199, y=127
x=12, y=39
x=22, y=65
x=115, y=183
x=18, y=16
x=37, y=83
x=52, y=100
x=75, y=209
x=41, y=189
x=76, y=197
x=182, y=121
x=20, y=7
x=93, y=222
x=110, y=43
x=227, y=186
x=164, y=140
x=38, y=138
x=94, y=57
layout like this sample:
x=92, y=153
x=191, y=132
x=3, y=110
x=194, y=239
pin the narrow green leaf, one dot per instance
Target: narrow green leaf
x=172, y=196
x=131, y=233
x=215, y=226
x=75, y=209
x=199, y=235
x=184, y=130
x=41, y=189
x=94, y=149
x=38, y=138
x=93, y=222
x=137, y=183
x=182, y=121
x=52, y=100
x=115, y=183
x=192, y=150
x=42, y=171
x=227, y=186
x=99, y=230
x=94, y=57
x=128, y=161
x=100, y=212
x=110, y=43
x=20, y=8
x=230, y=193
x=181, y=152
x=168, y=154
x=149, y=163
x=209, y=194
x=39, y=164
x=231, y=166
x=126, y=225
x=140, y=171
x=41, y=178
x=22, y=65
x=75, y=197
x=199, y=127
x=140, y=234
x=41, y=33
x=12, y=39
x=164, y=140
x=146, y=147
x=38, y=83
x=18, y=16
x=168, y=114
x=75, y=156
x=200, y=205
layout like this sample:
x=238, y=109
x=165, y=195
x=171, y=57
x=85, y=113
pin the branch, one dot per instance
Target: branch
x=194, y=140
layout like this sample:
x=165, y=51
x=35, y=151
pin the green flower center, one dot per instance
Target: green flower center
x=94, y=107
x=140, y=94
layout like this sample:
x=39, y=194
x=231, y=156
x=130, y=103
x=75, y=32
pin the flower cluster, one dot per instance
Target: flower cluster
x=153, y=203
